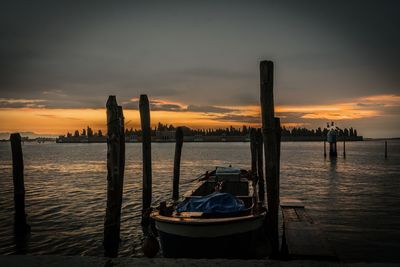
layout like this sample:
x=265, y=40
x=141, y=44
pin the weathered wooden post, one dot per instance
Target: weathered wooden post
x=278, y=132
x=20, y=225
x=177, y=163
x=260, y=166
x=150, y=244
x=144, y=109
x=324, y=149
x=271, y=151
x=115, y=176
x=386, y=149
x=253, y=150
x=344, y=148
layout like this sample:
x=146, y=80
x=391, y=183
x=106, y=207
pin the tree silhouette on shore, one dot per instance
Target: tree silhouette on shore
x=229, y=131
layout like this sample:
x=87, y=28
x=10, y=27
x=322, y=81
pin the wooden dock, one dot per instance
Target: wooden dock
x=302, y=237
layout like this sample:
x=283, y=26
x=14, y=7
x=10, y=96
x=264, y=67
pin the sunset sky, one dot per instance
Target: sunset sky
x=198, y=63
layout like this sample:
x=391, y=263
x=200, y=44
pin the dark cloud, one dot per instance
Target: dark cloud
x=158, y=105
x=392, y=111
x=239, y=118
x=155, y=105
x=208, y=109
x=222, y=73
x=58, y=93
x=165, y=107
x=370, y=105
x=131, y=105
x=245, y=99
x=201, y=53
x=75, y=54
x=22, y=103
x=290, y=116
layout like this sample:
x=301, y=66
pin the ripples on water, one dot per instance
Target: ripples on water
x=356, y=200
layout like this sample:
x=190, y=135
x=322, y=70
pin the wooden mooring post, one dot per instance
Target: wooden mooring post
x=271, y=150
x=253, y=151
x=144, y=109
x=177, y=163
x=20, y=225
x=150, y=246
x=324, y=149
x=278, y=135
x=260, y=166
x=115, y=176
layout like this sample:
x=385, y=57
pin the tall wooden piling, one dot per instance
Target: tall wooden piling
x=271, y=151
x=144, y=108
x=386, y=155
x=278, y=135
x=177, y=163
x=115, y=176
x=260, y=166
x=253, y=151
x=20, y=225
x=324, y=149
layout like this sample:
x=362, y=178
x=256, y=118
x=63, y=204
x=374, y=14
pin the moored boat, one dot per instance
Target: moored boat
x=220, y=217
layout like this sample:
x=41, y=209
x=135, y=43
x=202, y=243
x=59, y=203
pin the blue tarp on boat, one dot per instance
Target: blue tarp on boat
x=215, y=203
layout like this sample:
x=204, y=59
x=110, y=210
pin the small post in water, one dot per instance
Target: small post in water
x=177, y=163
x=385, y=149
x=20, y=225
x=332, y=138
x=115, y=176
x=324, y=149
x=344, y=148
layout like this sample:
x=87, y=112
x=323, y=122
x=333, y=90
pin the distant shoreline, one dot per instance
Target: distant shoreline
x=201, y=139
x=204, y=139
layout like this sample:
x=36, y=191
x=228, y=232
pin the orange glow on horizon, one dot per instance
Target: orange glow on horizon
x=60, y=121
x=348, y=111
x=294, y=124
x=388, y=100
x=43, y=120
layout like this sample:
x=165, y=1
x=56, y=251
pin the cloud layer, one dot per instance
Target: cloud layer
x=16, y=112
x=201, y=58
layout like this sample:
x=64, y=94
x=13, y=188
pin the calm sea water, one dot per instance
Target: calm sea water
x=356, y=200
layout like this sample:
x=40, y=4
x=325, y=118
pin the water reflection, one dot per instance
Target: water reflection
x=332, y=167
x=355, y=200
x=21, y=239
x=332, y=180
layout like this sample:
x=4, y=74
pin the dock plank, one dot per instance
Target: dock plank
x=304, y=239
x=291, y=202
